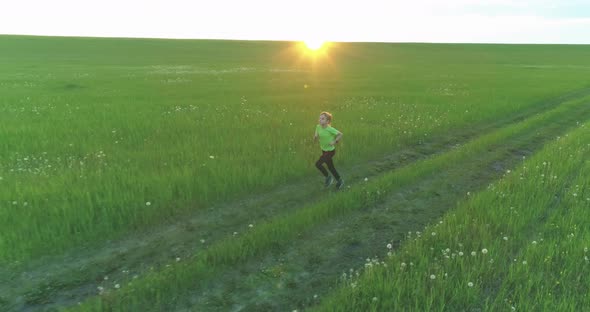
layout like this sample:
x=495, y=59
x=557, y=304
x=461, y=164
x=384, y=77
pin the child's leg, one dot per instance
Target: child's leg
x=330, y=164
x=319, y=165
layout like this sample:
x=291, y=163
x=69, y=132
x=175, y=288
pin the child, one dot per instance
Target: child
x=328, y=138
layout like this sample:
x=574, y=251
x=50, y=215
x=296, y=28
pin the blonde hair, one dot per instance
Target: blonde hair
x=328, y=116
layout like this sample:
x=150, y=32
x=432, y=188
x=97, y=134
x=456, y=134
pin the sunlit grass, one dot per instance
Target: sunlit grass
x=89, y=134
x=520, y=245
x=281, y=230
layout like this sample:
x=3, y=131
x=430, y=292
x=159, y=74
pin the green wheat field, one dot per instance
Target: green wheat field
x=178, y=175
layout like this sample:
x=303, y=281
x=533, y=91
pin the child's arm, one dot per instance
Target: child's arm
x=337, y=139
x=315, y=136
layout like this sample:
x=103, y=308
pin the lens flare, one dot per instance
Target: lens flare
x=314, y=45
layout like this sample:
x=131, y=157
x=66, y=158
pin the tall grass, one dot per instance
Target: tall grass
x=159, y=289
x=519, y=245
x=100, y=137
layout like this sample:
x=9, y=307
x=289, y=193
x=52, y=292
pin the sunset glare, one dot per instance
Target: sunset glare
x=314, y=44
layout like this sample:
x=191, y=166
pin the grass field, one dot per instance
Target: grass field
x=519, y=245
x=145, y=174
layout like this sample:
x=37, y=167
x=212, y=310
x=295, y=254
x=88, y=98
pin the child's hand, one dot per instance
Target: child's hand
x=333, y=143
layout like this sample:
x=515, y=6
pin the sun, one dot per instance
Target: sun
x=314, y=45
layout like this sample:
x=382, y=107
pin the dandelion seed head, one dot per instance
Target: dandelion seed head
x=505, y=238
x=484, y=251
x=470, y=284
x=148, y=203
x=473, y=253
x=212, y=157
x=460, y=253
x=432, y=276
x=389, y=246
x=117, y=286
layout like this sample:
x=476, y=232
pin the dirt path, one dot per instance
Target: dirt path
x=298, y=276
x=67, y=279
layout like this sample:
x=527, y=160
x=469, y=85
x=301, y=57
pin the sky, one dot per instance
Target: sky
x=476, y=21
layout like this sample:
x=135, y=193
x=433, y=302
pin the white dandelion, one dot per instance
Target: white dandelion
x=470, y=284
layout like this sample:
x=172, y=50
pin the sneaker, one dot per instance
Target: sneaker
x=328, y=181
x=339, y=183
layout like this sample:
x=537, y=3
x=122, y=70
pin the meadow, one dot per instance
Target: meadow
x=520, y=245
x=106, y=139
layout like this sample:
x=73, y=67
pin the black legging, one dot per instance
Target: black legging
x=327, y=158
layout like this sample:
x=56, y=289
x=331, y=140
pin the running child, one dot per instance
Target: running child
x=328, y=138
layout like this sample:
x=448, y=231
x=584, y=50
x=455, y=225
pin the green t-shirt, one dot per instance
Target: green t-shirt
x=326, y=135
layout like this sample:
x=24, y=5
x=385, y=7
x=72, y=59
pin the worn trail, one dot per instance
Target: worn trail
x=299, y=275
x=70, y=278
